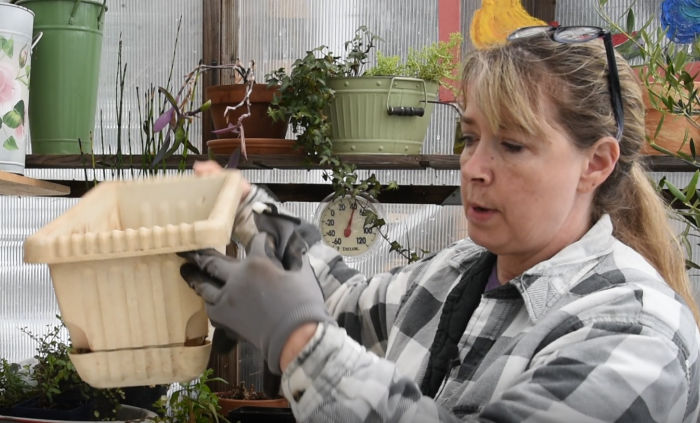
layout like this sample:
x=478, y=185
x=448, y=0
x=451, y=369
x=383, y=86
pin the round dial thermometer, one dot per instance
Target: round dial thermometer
x=342, y=220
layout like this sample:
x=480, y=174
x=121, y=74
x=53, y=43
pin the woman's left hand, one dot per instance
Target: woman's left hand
x=256, y=299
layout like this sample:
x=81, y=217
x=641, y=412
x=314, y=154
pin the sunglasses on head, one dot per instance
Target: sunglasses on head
x=581, y=34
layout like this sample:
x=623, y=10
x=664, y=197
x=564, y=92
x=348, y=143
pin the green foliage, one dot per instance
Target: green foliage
x=357, y=51
x=194, y=402
x=663, y=69
x=14, y=386
x=375, y=222
x=435, y=62
x=165, y=117
x=664, y=74
x=305, y=97
x=53, y=379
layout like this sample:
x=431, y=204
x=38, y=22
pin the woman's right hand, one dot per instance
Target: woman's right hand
x=209, y=167
x=244, y=227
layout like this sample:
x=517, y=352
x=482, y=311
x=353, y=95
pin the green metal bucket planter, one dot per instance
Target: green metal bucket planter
x=65, y=74
x=380, y=115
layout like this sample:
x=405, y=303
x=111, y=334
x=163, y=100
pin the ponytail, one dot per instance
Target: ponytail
x=640, y=220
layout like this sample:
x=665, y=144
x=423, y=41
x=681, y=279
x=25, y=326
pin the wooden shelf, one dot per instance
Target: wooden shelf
x=286, y=161
x=255, y=161
x=12, y=184
x=288, y=192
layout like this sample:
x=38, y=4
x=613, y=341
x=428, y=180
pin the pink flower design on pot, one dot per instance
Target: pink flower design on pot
x=9, y=87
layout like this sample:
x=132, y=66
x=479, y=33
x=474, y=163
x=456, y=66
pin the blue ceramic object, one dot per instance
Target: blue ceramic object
x=681, y=19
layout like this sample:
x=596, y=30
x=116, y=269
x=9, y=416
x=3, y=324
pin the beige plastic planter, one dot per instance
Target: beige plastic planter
x=132, y=319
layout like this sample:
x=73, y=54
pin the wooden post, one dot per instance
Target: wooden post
x=211, y=55
x=542, y=9
x=230, y=34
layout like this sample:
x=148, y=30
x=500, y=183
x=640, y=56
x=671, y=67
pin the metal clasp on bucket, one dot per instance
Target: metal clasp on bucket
x=36, y=39
x=76, y=4
x=406, y=110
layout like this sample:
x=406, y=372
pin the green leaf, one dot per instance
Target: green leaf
x=7, y=45
x=204, y=107
x=691, y=264
x=675, y=191
x=630, y=21
x=19, y=108
x=10, y=144
x=13, y=119
x=692, y=185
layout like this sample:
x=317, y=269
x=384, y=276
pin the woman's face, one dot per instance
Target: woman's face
x=520, y=192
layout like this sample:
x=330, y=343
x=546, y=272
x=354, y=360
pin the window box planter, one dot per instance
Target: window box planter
x=132, y=319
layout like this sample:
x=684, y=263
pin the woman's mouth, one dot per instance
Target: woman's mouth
x=478, y=213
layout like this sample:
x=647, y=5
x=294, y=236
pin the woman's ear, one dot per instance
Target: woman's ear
x=601, y=160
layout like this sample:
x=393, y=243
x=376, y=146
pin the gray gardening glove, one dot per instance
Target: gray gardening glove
x=258, y=214
x=256, y=299
x=284, y=241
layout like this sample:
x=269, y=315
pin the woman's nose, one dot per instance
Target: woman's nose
x=476, y=163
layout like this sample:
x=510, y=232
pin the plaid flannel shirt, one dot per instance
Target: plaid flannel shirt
x=591, y=335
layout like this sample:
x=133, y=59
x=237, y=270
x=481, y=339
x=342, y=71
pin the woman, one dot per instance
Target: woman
x=568, y=302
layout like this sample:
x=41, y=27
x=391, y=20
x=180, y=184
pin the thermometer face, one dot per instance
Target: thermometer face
x=341, y=221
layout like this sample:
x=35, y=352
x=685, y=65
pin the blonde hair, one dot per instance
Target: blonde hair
x=509, y=81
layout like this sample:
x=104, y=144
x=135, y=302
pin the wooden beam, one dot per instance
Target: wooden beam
x=289, y=161
x=542, y=9
x=211, y=55
x=230, y=34
x=12, y=184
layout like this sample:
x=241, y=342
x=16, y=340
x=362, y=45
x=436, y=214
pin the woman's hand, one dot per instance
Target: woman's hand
x=210, y=167
x=256, y=299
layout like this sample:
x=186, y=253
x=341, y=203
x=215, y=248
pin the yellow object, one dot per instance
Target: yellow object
x=492, y=23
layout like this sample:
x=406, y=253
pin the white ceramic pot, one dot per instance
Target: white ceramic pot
x=16, y=24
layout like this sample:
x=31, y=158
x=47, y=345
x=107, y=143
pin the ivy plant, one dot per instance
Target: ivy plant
x=305, y=98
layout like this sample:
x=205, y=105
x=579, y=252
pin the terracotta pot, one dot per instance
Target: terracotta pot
x=674, y=127
x=258, y=124
x=228, y=404
x=673, y=130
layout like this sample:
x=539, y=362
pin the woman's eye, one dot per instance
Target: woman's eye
x=467, y=139
x=512, y=147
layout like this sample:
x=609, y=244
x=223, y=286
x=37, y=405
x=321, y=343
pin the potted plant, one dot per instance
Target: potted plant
x=240, y=115
x=308, y=101
x=322, y=92
x=667, y=64
x=243, y=395
x=50, y=388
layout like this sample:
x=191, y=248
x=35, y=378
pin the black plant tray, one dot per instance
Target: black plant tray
x=261, y=415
